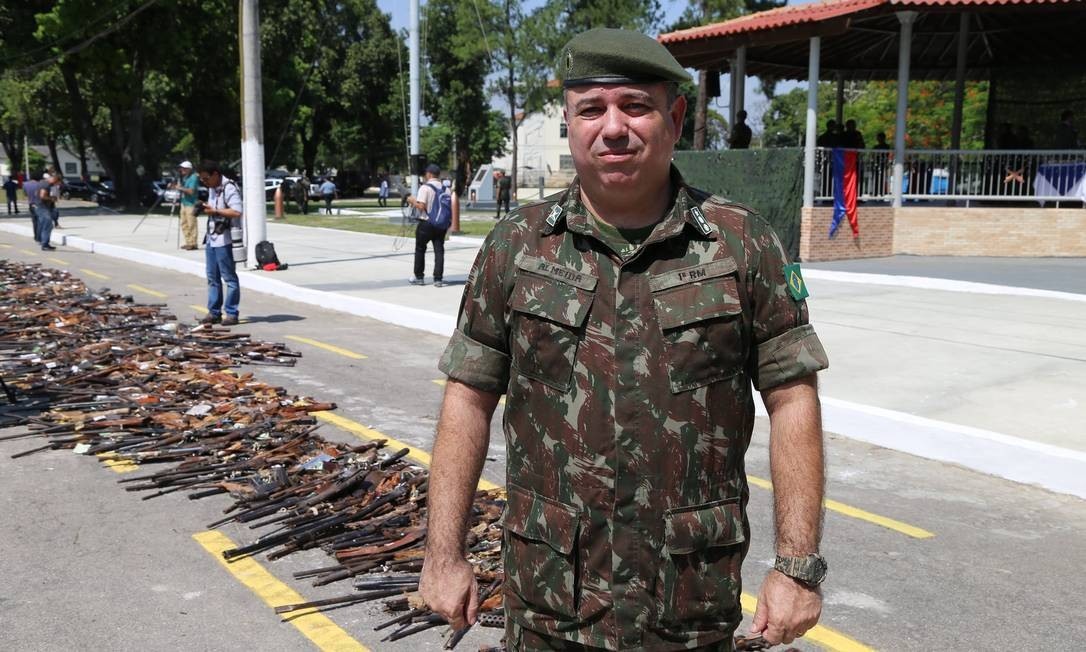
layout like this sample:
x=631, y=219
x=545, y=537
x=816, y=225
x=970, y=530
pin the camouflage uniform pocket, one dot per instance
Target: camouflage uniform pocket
x=701, y=320
x=540, y=552
x=700, y=575
x=547, y=328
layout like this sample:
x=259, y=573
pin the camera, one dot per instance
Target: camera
x=219, y=224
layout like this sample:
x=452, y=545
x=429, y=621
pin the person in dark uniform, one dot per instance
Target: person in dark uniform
x=741, y=134
x=11, y=189
x=504, y=187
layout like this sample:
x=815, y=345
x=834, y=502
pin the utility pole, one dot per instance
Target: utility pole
x=26, y=157
x=252, y=128
x=413, y=46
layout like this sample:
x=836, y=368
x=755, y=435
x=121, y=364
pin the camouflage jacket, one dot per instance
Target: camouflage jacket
x=629, y=409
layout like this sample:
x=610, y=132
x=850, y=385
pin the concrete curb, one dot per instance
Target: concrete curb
x=944, y=284
x=1020, y=460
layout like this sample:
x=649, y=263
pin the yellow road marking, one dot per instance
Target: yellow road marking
x=59, y=261
x=819, y=634
x=315, y=626
x=94, y=274
x=366, y=432
x=153, y=293
x=5, y=246
x=200, y=309
x=442, y=382
x=856, y=512
x=327, y=347
x=29, y=252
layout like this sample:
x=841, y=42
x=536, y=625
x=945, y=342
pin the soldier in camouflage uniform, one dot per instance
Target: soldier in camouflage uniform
x=628, y=321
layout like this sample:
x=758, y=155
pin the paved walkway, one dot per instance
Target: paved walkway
x=989, y=377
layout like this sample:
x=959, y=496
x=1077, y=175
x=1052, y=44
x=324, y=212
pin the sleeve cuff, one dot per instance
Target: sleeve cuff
x=476, y=364
x=791, y=355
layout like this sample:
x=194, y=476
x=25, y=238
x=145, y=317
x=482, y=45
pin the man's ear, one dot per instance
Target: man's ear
x=677, y=112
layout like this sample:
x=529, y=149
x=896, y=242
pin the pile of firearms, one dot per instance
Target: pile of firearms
x=96, y=373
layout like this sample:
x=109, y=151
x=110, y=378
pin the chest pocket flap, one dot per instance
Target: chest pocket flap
x=552, y=303
x=693, y=294
x=698, y=309
x=552, y=291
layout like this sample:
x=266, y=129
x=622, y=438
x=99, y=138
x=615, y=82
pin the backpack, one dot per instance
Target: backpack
x=265, y=254
x=440, y=213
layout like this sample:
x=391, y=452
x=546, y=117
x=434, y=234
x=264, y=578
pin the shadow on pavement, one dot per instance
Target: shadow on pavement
x=272, y=319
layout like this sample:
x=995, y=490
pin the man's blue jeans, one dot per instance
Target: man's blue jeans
x=220, y=269
x=45, y=223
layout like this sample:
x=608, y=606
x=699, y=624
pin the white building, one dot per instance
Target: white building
x=542, y=149
x=69, y=161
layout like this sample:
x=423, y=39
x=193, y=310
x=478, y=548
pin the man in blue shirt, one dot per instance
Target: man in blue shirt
x=31, y=187
x=328, y=193
x=223, y=211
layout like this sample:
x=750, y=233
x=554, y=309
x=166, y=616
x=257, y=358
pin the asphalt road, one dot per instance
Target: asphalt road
x=86, y=565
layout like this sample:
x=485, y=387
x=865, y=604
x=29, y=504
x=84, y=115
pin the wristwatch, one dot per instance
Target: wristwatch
x=810, y=570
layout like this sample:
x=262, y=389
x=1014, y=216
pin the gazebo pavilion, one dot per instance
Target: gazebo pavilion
x=932, y=40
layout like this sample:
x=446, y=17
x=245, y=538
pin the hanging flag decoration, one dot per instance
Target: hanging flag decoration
x=845, y=189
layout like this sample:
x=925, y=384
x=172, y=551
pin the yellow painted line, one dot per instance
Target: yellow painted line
x=327, y=347
x=856, y=512
x=59, y=261
x=29, y=252
x=119, y=466
x=5, y=246
x=442, y=382
x=94, y=274
x=820, y=635
x=315, y=626
x=200, y=309
x=366, y=432
x=153, y=293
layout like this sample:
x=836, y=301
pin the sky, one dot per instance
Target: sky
x=755, y=102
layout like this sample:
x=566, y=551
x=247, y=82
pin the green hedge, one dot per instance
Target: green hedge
x=768, y=180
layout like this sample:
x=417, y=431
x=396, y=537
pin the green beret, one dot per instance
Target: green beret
x=617, y=56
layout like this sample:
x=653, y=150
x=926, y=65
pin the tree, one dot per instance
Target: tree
x=873, y=105
x=458, y=64
x=701, y=12
x=716, y=125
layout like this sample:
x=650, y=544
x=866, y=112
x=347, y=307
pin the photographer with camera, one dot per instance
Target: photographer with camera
x=223, y=210
x=189, y=196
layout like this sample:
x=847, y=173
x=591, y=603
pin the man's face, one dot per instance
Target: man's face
x=622, y=135
x=211, y=180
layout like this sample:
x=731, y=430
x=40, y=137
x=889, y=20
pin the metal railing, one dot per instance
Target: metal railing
x=971, y=175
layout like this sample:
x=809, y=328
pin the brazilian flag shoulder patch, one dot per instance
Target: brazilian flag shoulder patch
x=793, y=277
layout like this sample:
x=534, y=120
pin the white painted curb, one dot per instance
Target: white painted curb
x=947, y=285
x=1020, y=460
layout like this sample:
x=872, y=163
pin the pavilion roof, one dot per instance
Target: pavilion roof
x=859, y=37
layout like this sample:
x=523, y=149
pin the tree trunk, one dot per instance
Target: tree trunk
x=81, y=149
x=13, y=147
x=51, y=143
x=700, y=110
x=107, y=156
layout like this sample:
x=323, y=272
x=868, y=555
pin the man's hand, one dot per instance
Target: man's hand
x=786, y=609
x=449, y=588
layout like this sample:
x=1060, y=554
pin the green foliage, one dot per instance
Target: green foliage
x=873, y=105
x=716, y=136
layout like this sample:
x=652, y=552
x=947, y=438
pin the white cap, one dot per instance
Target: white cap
x=46, y=177
x=185, y=164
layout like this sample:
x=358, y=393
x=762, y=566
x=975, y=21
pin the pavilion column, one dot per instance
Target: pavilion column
x=840, y=113
x=904, y=53
x=733, y=84
x=741, y=78
x=959, y=98
x=812, y=123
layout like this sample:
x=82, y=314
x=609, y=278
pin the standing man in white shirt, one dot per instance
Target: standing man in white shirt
x=223, y=211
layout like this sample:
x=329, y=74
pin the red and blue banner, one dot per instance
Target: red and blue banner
x=845, y=188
